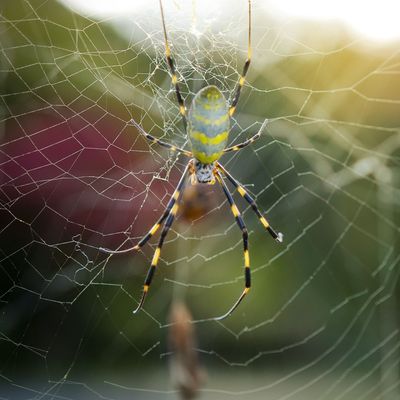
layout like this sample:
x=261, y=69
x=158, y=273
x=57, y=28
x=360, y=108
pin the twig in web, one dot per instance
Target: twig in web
x=187, y=374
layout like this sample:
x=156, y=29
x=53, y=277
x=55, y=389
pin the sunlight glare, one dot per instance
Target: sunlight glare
x=377, y=20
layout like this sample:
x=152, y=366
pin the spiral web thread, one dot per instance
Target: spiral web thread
x=321, y=320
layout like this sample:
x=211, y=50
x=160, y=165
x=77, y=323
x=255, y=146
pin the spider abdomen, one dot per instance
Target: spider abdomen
x=208, y=124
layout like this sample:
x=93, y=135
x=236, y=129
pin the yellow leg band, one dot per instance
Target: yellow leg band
x=235, y=210
x=246, y=259
x=264, y=222
x=241, y=191
x=154, y=229
x=156, y=256
x=174, y=209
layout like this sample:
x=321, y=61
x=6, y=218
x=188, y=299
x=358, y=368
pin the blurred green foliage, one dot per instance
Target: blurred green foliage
x=326, y=172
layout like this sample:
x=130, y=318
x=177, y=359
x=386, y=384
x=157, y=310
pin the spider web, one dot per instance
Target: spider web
x=322, y=318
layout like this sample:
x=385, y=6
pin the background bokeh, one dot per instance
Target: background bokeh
x=322, y=319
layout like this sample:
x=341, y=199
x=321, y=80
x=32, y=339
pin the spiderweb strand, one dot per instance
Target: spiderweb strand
x=322, y=318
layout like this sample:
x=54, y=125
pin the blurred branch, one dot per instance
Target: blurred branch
x=186, y=373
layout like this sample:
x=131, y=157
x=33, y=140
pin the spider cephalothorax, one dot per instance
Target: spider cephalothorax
x=207, y=125
x=203, y=173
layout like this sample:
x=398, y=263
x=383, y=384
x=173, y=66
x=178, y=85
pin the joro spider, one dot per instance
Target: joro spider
x=207, y=124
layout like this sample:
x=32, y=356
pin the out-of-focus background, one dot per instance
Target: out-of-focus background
x=322, y=319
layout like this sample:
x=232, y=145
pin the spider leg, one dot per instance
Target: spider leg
x=171, y=65
x=242, y=79
x=248, y=141
x=156, y=256
x=278, y=236
x=174, y=198
x=158, y=141
x=242, y=226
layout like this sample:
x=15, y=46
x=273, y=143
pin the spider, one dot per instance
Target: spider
x=207, y=124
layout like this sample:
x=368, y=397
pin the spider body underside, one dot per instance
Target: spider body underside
x=207, y=124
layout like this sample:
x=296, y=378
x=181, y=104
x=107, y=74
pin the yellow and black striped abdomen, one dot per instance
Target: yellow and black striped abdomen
x=208, y=126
